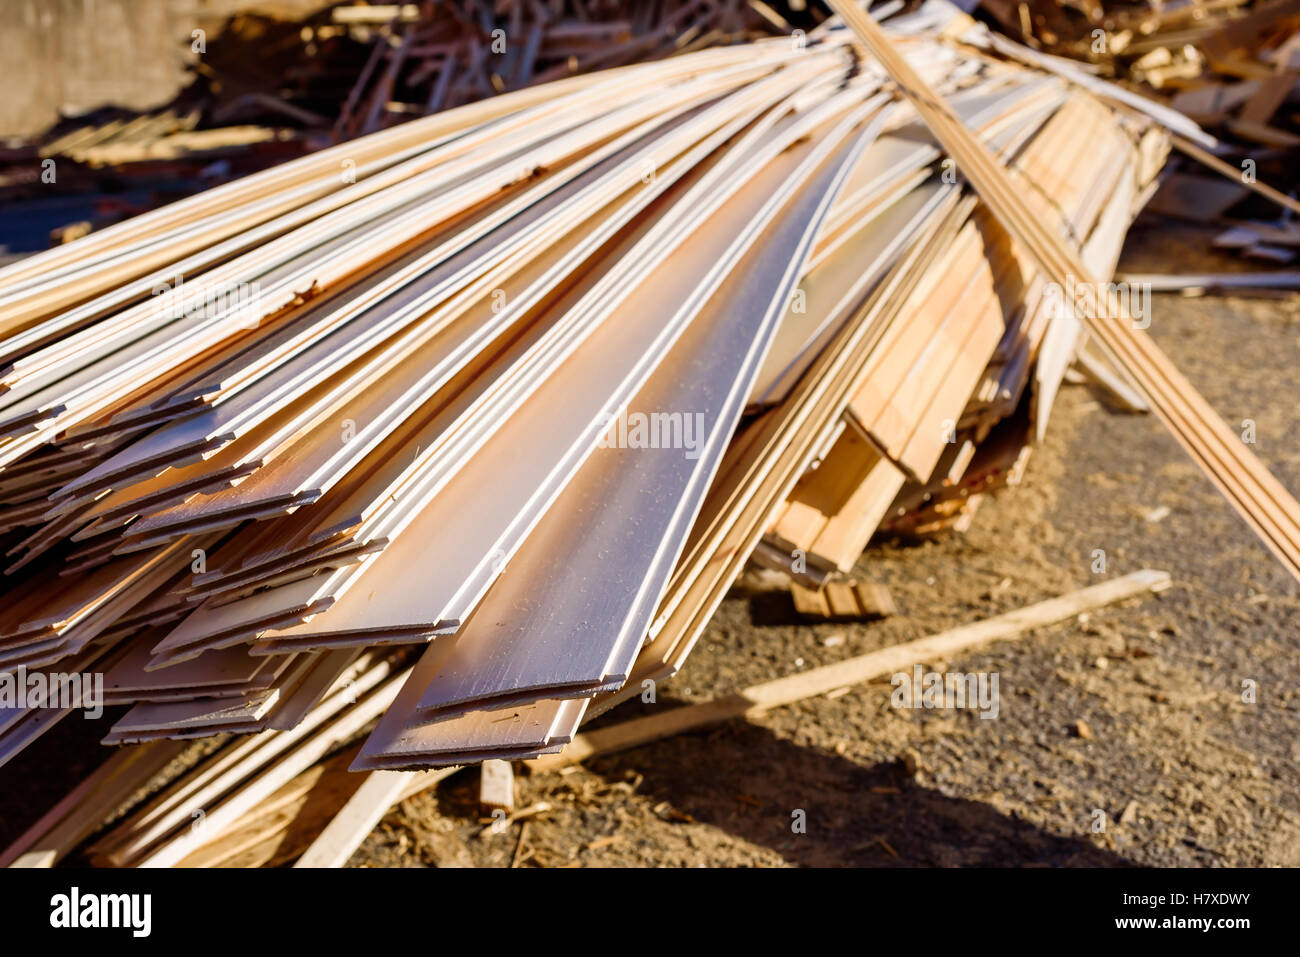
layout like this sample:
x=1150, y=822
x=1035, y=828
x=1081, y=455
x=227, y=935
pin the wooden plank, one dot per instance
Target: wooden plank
x=496, y=787
x=358, y=817
x=756, y=699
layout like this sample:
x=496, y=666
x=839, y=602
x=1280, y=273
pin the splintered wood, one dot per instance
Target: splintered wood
x=448, y=438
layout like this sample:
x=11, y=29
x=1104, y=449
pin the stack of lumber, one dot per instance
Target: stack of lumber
x=1232, y=66
x=467, y=426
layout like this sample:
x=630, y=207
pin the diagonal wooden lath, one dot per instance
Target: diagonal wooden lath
x=1268, y=508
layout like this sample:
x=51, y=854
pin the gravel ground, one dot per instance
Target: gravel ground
x=1134, y=716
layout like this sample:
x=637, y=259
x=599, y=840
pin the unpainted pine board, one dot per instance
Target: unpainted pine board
x=920, y=454
x=476, y=511
x=629, y=501
x=797, y=687
x=847, y=532
x=840, y=598
x=928, y=304
x=947, y=347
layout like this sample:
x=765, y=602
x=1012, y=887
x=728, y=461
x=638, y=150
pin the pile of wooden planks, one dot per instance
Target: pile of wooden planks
x=1215, y=47
x=1232, y=66
x=467, y=426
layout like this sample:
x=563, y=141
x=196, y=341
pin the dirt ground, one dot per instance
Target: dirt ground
x=1183, y=770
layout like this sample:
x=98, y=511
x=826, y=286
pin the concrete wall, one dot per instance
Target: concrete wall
x=65, y=57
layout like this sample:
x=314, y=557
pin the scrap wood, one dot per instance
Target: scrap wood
x=759, y=698
x=223, y=789
x=496, y=786
x=377, y=794
x=1259, y=498
x=301, y=814
x=1269, y=72
x=79, y=814
x=840, y=600
x=283, y=824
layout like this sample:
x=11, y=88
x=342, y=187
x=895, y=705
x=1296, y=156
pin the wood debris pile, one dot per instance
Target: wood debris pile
x=1232, y=66
x=267, y=89
x=467, y=426
x=1180, y=46
x=430, y=56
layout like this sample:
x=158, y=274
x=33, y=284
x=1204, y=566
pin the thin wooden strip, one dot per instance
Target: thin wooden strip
x=358, y=817
x=1258, y=497
x=756, y=699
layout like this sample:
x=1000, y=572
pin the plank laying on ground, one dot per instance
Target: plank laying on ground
x=758, y=698
x=366, y=808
